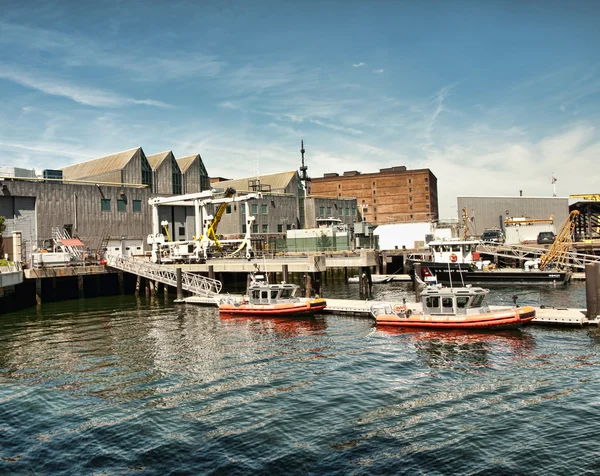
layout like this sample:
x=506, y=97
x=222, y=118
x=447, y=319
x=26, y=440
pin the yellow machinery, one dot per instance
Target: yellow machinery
x=589, y=197
x=211, y=233
x=557, y=253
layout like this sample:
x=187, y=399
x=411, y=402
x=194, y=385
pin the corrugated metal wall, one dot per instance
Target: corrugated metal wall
x=488, y=212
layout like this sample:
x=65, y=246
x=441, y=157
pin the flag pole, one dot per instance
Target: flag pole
x=553, y=185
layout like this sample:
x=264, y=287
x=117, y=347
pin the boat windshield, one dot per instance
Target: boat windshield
x=478, y=301
x=287, y=293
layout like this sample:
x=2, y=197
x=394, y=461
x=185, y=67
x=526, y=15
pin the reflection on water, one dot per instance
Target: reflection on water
x=144, y=385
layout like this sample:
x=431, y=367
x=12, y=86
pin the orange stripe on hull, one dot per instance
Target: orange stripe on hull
x=504, y=319
x=274, y=310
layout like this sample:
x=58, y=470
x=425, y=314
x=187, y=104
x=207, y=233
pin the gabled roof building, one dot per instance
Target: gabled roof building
x=167, y=177
x=195, y=176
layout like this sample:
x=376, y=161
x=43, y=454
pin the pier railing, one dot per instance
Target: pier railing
x=194, y=283
x=572, y=259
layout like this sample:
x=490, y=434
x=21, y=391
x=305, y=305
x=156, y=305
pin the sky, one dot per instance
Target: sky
x=495, y=97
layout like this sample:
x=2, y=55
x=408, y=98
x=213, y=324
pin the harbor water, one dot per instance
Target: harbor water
x=127, y=385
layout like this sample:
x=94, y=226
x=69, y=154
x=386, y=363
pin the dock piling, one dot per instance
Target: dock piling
x=592, y=283
x=179, y=284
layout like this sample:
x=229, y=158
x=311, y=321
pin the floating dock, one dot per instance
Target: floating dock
x=549, y=316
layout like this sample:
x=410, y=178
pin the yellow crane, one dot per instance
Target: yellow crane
x=557, y=253
x=212, y=228
x=589, y=197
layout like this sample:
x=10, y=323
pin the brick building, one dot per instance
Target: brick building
x=393, y=195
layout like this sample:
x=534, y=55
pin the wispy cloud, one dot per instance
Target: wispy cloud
x=73, y=50
x=358, y=65
x=378, y=71
x=83, y=95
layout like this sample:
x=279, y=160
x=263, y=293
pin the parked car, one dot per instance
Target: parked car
x=493, y=236
x=545, y=238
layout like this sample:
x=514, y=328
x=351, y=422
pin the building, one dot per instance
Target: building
x=195, y=176
x=483, y=213
x=393, y=195
x=166, y=174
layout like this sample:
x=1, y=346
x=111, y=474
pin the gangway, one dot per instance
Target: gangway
x=194, y=283
x=522, y=252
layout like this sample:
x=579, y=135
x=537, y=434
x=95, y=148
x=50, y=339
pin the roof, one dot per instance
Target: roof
x=156, y=160
x=278, y=181
x=71, y=242
x=185, y=162
x=99, y=166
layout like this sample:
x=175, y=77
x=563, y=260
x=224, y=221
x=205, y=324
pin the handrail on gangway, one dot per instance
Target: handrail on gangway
x=194, y=283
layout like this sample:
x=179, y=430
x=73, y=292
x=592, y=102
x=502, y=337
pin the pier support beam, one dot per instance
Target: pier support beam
x=285, y=273
x=592, y=289
x=138, y=285
x=121, y=278
x=366, y=282
x=307, y=285
x=211, y=271
x=80, y=292
x=179, y=284
x=38, y=291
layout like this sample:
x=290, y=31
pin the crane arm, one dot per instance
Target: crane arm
x=557, y=253
x=590, y=197
x=212, y=228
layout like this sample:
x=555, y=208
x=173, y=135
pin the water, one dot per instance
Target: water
x=135, y=386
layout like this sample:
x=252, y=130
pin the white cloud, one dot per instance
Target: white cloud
x=84, y=95
x=378, y=71
x=358, y=65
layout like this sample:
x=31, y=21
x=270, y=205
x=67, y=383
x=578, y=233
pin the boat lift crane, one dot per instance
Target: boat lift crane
x=205, y=229
x=557, y=254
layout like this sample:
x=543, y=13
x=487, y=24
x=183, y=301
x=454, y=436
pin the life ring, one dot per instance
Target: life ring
x=453, y=258
x=400, y=309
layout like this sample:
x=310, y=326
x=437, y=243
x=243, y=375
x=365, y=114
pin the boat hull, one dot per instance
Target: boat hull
x=506, y=319
x=457, y=275
x=295, y=309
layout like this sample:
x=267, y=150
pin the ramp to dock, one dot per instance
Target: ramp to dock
x=194, y=283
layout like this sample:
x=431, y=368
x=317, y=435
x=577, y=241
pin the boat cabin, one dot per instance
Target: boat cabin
x=454, y=301
x=454, y=251
x=261, y=292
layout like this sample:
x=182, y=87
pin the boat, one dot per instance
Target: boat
x=462, y=307
x=270, y=300
x=457, y=262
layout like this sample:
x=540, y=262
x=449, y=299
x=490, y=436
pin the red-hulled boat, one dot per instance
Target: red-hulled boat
x=453, y=308
x=271, y=300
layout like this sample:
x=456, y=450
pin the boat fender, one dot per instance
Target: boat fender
x=453, y=258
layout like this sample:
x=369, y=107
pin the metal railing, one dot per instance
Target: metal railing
x=191, y=282
x=572, y=258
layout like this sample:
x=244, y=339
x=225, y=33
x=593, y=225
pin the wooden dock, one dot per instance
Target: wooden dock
x=548, y=316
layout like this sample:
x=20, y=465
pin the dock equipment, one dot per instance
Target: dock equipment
x=557, y=254
x=194, y=283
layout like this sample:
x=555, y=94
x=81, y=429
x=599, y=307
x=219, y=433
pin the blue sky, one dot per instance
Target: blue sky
x=494, y=97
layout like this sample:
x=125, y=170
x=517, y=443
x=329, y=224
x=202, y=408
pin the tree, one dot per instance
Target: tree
x=324, y=242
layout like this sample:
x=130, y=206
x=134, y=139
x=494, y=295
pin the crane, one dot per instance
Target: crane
x=557, y=254
x=590, y=197
x=211, y=233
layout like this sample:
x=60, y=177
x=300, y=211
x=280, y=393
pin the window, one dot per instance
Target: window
x=105, y=204
x=374, y=209
x=426, y=179
x=177, y=179
x=328, y=211
x=279, y=228
x=339, y=186
x=410, y=198
x=228, y=210
x=288, y=227
x=254, y=228
x=374, y=192
x=182, y=231
x=347, y=212
x=410, y=190
x=426, y=197
x=410, y=207
x=427, y=189
x=409, y=180
x=137, y=205
x=374, y=200
x=146, y=173
x=353, y=211
x=427, y=206
x=265, y=228
x=244, y=229
x=254, y=208
x=263, y=209
x=322, y=211
x=373, y=184
x=122, y=205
